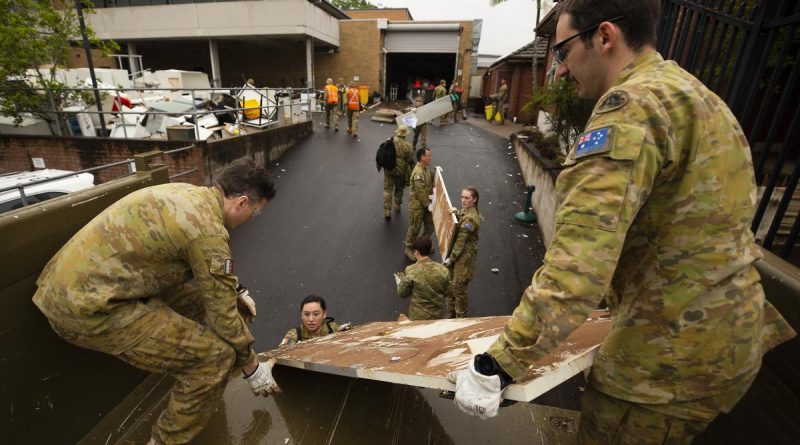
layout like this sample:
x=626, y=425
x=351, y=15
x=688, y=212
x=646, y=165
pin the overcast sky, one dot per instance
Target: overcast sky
x=506, y=27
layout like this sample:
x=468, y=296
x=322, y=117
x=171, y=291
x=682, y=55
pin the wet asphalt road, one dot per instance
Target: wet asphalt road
x=324, y=232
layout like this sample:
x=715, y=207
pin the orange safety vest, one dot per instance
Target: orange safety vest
x=352, y=99
x=331, y=94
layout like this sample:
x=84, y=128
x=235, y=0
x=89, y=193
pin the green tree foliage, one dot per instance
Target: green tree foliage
x=567, y=113
x=36, y=35
x=354, y=4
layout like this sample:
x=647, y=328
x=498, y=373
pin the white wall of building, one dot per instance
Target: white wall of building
x=227, y=19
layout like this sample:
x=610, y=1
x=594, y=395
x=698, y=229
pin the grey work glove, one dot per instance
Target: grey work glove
x=477, y=394
x=245, y=304
x=261, y=381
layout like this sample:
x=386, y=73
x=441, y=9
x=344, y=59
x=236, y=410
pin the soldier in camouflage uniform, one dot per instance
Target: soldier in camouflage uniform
x=426, y=282
x=421, y=129
x=315, y=322
x=150, y=281
x=499, y=102
x=396, y=180
x=441, y=91
x=461, y=260
x=655, y=207
x=342, y=87
x=419, y=201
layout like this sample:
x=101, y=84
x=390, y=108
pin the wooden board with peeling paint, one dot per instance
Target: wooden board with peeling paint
x=421, y=353
x=444, y=222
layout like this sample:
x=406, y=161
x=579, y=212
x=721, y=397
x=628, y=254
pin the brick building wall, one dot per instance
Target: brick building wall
x=360, y=54
x=394, y=14
x=82, y=153
x=77, y=59
x=206, y=159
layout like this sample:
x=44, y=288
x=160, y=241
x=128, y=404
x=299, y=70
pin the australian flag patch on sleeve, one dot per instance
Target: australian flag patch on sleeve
x=592, y=143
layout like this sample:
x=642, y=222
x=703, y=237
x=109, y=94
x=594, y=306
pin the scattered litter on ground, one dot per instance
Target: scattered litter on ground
x=495, y=270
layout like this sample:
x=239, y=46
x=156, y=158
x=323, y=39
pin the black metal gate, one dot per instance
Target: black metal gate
x=748, y=52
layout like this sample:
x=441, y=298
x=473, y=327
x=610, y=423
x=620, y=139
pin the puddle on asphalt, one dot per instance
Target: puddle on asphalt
x=317, y=408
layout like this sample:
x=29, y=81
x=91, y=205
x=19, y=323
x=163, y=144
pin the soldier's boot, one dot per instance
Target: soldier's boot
x=410, y=254
x=397, y=208
x=387, y=214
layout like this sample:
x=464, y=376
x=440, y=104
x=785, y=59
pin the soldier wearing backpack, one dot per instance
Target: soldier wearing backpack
x=396, y=157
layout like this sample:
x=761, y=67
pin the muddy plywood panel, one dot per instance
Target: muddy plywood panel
x=421, y=353
x=444, y=222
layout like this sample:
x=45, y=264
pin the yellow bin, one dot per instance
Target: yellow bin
x=488, y=110
x=363, y=94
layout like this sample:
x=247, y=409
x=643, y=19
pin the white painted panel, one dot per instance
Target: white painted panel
x=422, y=41
x=223, y=19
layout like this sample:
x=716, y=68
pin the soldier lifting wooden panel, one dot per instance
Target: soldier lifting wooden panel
x=426, y=113
x=421, y=353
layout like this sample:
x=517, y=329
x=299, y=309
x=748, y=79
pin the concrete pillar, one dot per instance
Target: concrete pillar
x=134, y=65
x=309, y=62
x=216, y=77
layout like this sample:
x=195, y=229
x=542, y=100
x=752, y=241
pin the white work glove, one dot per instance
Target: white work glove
x=261, y=381
x=447, y=263
x=476, y=394
x=245, y=304
x=430, y=207
x=453, y=210
x=345, y=327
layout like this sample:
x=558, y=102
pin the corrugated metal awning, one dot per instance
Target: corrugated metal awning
x=421, y=41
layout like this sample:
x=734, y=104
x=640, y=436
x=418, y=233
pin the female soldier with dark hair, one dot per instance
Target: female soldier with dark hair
x=461, y=260
x=315, y=322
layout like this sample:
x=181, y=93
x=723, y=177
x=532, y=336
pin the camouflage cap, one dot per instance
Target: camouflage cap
x=402, y=131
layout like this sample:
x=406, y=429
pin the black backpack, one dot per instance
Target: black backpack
x=386, y=157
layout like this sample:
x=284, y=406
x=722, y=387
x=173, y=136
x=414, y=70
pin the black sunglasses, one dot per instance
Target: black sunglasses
x=559, y=54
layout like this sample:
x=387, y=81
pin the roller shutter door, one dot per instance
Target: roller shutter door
x=422, y=41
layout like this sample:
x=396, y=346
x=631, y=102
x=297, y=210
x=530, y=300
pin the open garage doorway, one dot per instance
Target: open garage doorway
x=403, y=69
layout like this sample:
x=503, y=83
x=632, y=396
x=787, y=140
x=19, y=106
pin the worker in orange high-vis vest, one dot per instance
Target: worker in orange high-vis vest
x=331, y=104
x=353, y=109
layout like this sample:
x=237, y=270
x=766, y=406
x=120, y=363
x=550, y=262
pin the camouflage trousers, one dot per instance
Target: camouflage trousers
x=456, y=296
x=607, y=420
x=332, y=110
x=421, y=130
x=164, y=341
x=498, y=108
x=416, y=219
x=392, y=185
x=352, y=121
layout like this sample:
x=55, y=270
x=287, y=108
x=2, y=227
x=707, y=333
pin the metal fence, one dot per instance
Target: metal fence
x=748, y=52
x=130, y=163
x=199, y=109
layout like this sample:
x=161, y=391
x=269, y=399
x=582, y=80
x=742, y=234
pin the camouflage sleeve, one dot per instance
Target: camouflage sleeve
x=290, y=338
x=210, y=259
x=406, y=284
x=600, y=195
x=419, y=186
x=465, y=230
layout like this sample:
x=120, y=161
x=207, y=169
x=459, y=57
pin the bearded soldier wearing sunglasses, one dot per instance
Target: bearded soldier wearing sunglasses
x=654, y=211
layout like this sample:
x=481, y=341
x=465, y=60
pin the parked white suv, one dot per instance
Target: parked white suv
x=11, y=199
